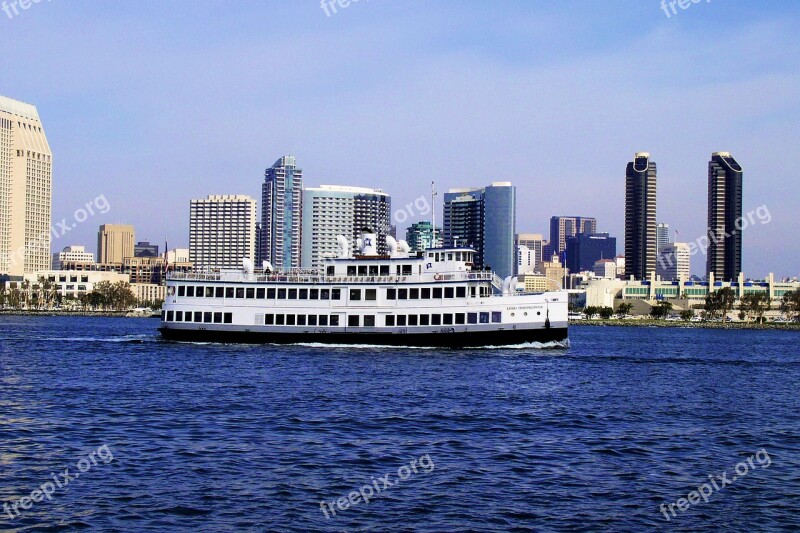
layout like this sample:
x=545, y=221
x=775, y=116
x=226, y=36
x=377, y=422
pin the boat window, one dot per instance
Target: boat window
x=362, y=270
x=227, y=318
x=460, y=318
x=323, y=320
x=269, y=320
x=351, y=270
x=450, y=256
x=406, y=270
x=312, y=320
x=472, y=318
x=413, y=294
x=240, y=292
x=331, y=270
x=198, y=316
x=458, y=256
x=293, y=294
x=301, y=320
x=198, y=292
x=384, y=270
x=401, y=320
x=304, y=294
x=436, y=320
x=187, y=317
x=472, y=291
x=497, y=316
x=461, y=292
x=217, y=318
x=260, y=293
x=281, y=294
x=336, y=294
x=369, y=321
x=219, y=292
x=209, y=292
x=280, y=320
x=402, y=294
x=270, y=294
x=324, y=294
x=335, y=320
x=251, y=293
x=437, y=292
x=353, y=321
x=430, y=255
x=178, y=316
x=425, y=294
x=373, y=270
x=190, y=291
x=314, y=294
x=290, y=320
x=207, y=317
x=448, y=292
x=355, y=294
x=228, y=292
x=371, y=294
x=412, y=320
x=391, y=294
x=170, y=316
x=389, y=320
x=182, y=291
x=424, y=320
x=484, y=318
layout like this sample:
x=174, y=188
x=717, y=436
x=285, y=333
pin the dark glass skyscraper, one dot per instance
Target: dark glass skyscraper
x=281, y=214
x=640, y=217
x=484, y=219
x=584, y=249
x=724, y=213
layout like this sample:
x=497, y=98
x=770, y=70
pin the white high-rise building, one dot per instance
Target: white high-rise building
x=25, y=190
x=332, y=210
x=222, y=231
x=530, y=251
x=674, y=262
x=281, y=214
x=72, y=253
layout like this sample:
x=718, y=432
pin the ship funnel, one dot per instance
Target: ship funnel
x=403, y=247
x=391, y=244
x=247, y=265
x=507, y=285
x=344, y=247
x=266, y=266
x=369, y=242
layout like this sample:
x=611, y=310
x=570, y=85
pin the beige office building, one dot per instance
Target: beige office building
x=222, y=231
x=115, y=242
x=25, y=190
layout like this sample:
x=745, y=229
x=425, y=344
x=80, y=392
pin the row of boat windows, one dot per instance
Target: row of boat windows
x=436, y=319
x=262, y=293
x=198, y=316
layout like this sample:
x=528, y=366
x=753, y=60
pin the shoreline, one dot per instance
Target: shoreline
x=57, y=312
x=785, y=326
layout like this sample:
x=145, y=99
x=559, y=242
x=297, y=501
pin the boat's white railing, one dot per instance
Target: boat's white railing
x=312, y=278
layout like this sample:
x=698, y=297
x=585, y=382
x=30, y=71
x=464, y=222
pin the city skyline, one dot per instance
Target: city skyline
x=131, y=123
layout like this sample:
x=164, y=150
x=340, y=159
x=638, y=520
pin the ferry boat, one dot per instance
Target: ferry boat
x=426, y=299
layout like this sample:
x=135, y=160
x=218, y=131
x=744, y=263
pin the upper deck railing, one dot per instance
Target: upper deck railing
x=306, y=277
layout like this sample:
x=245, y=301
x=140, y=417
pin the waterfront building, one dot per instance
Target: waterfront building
x=178, y=255
x=724, y=256
x=115, y=242
x=333, y=210
x=145, y=249
x=674, y=262
x=71, y=253
x=148, y=270
x=584, y=249
x=25, y=190
x=149, y=293
x=640, y=217
x=222, y=231
x=69, y=283
x=419, y=236
x=281, y=214
x=483, y=219
x=662, y=236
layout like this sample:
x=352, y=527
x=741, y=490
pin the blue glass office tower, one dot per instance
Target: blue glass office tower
x=584, y=249
x=281, y=214
x=484, y=219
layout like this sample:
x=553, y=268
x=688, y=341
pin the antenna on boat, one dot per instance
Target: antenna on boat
x=433, y=214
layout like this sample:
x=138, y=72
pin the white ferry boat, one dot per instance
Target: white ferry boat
x=430, y=299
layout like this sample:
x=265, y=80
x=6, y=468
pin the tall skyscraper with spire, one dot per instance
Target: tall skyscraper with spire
x=724, y=257
x=281, y=214
x=25, y=189
x=640, y=217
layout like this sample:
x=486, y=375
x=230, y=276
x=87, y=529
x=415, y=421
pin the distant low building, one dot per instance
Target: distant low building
x=148, y=292
x=145, y=249
x=420, y=236
x=70, y=283
x=605, y=268
x=674, y=261
x=71, y=253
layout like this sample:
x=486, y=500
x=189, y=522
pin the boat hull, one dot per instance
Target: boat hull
x=462, y=339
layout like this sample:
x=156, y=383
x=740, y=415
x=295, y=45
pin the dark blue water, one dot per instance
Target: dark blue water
x=234, y=438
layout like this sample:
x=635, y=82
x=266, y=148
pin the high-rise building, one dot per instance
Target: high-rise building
x=585, y=249
x=222, y=231
x=115, y=242
x=25, y=190
x=484, y=219
x=71, y=253
x=420, y=236
x=333, y=210
x=662, y=236
x=281, y=214
x=674, y=262
x=724, y=257
x=530, y=251
x=145, y=249
x=640, y=217
x=562, y=228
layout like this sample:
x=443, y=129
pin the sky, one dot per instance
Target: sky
x=153, y=103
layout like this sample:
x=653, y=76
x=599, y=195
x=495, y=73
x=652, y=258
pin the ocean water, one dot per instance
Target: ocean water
x=595, y=436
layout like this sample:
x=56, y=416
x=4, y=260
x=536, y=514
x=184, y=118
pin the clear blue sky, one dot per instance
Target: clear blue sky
x=154, y=103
